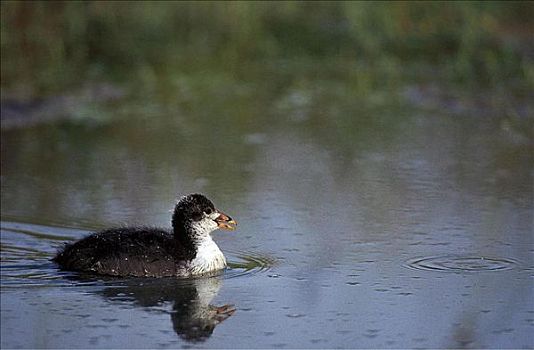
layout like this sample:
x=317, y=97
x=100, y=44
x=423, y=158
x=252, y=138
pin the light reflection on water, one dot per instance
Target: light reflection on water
x=330, y=212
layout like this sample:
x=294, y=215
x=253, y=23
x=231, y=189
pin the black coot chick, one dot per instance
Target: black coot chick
x=186, y=250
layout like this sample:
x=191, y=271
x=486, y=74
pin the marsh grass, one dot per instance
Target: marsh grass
x=325, y=60
x=50, y=46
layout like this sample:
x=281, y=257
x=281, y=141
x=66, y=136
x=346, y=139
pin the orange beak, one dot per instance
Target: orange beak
x=225, y=222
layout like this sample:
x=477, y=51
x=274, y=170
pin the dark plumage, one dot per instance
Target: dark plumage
x=185, y=250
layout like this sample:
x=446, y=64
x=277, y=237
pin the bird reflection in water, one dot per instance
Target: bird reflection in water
x=193, y=317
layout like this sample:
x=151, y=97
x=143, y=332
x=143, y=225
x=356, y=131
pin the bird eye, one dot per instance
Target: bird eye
x=208, y=211
x=196, y=216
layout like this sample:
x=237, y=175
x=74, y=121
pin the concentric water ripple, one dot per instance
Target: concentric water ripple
x=245, y=263
x=461, y=263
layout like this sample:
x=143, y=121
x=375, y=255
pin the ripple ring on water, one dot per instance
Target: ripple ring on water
x=245, y=263
x=454, y=263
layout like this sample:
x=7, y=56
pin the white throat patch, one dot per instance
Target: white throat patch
x=209, y=257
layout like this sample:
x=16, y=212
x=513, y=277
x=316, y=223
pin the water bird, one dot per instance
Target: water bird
x=186, y=250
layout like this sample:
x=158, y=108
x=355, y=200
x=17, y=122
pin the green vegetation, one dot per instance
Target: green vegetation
x=329, y=59
x=50, y=46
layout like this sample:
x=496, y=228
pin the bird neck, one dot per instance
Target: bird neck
x=209, y=258
x=183, y=236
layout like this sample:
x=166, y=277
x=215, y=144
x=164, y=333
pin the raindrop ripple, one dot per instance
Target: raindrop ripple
x=450, y=263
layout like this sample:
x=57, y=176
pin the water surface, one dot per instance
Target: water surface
x=360, y=226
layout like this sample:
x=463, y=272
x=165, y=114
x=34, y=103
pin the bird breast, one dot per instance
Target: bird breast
x=208, y=258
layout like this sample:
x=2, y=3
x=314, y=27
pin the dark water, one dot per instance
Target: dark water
x=375, y=227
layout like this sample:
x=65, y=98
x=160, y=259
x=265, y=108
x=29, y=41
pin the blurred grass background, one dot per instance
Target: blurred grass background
x=332, y=59
x=48, y=47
